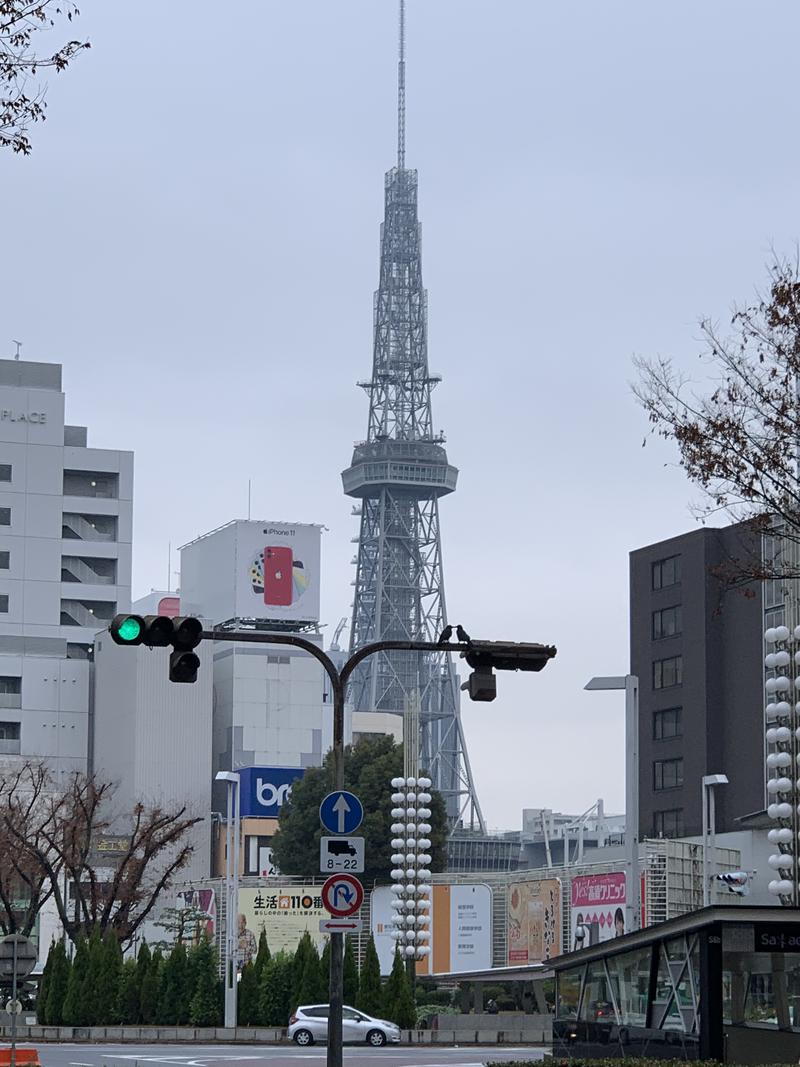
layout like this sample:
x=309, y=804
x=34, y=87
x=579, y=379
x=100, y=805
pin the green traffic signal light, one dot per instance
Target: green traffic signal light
x=127, y=629
x=130, y=629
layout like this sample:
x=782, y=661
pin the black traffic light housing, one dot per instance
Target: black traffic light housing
x=182, y=634
x=485, y=657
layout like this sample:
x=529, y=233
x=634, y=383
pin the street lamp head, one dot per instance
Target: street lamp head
x=227, y=776
x=715, y=779
x=616, y=681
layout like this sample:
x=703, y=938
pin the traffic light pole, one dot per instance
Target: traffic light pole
x=482, y=656
x=338, y=680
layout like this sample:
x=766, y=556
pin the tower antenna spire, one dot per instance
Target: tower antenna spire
x=401, y=92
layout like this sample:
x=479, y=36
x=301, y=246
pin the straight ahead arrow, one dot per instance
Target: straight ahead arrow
x=341, y=807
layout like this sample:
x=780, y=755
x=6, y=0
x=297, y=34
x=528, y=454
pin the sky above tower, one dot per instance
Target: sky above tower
x=196, y=239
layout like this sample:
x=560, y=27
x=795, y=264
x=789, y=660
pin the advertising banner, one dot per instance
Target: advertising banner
x=196, y=915
x=534, y=921
x=277, y=571
x=598, y=908
x=266, y=789
x=285, y=914
x=461, y=929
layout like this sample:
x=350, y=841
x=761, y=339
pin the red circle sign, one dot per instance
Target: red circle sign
x=342, y=895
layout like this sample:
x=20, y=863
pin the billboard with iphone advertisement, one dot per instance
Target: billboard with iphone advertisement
x=253, y=570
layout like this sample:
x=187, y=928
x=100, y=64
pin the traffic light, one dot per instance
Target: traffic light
x=159, y=631
x=485, y=657
x=737, y=882
x=183, y=662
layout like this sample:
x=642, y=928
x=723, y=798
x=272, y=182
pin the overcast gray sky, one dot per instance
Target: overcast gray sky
x=196, y=239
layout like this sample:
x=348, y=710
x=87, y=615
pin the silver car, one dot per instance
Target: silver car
x=310, y=1024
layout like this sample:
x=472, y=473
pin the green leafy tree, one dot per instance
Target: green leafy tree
x=263, y=954
x=204, y=1009
x=57, y=985
x=398, y=995
x=128, y=995
x=44, y=986
x=370, y=993
x=151, y=989
x=394, y=984
x=90, y=990
x=247, y=1000
x=369, y=767
x=173, y=1009
x=350, y=974
x=110, y=976
x=275, y=990
x=325, y=971
x=73, y=1013
x=142, y=967
x=309, y=989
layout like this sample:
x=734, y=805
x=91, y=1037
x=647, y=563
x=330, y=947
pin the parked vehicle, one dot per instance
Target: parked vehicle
x=310, y=1024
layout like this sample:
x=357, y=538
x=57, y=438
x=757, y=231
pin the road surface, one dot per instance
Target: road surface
x=287, y=1055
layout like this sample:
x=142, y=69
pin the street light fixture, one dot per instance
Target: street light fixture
x=231, y=894
x=710, y=831
x=630, y=684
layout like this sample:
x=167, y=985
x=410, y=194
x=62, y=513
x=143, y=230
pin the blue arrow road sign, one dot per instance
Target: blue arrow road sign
x=341, y=812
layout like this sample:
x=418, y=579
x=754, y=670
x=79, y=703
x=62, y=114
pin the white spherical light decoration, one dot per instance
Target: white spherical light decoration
x=786, y=887
x=398, y=813
x=398, y=857
x=771, y=685
x=778, y=759
x=783, y=734
x=782, y=683
x=780, y=835
x=398, y=783
x=424, y=842
x=411, y=827
x=397, y=875
x=411, y=842
x=423, y=890
x=782, y=709
x=784, y=810
x=774, y=887
x=769, y=636
x=781, y=633
x=797, y=633
x=398, y=889
x=398, y=842
x=409, y=857
x=398, y=827
x=780, y=861
x=424, y=783
x=398, y=798
x=772, y=735
x=771, y=711
x=424, y=798
x=411, y=872
x=424, y=827
x=411, y=813
x=424, y=860
x=411, y=782
x=424, y=813
x=423, y=950
x=769, y=660
x=410, y=951
x=782, y=658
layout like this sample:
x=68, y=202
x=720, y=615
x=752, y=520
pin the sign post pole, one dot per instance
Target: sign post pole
x=14, y=999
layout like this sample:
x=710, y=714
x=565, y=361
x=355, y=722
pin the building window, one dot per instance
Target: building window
x=668, y=823
x=667, y=622
x=3, y=603
x=667, y=723
x=5, y=472
x=5, y=516
x=666, y=572
x=5, y=561
x=667, y=773
x=10, y=691
x=667, y=672
x=258, y=856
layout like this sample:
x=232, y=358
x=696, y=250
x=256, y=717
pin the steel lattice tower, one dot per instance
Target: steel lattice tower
x=399, y=473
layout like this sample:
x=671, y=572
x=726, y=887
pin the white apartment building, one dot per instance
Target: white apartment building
x=65, y=565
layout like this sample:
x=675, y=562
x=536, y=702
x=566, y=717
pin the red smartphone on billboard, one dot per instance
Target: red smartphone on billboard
x=278, y=561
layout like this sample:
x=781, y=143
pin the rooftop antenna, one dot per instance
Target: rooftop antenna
x=19, y=346
x=401, y=92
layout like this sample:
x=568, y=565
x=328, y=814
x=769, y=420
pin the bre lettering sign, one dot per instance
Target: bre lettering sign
x=266, y=789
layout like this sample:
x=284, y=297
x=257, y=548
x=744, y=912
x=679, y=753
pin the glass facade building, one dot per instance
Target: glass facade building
x=722, y=983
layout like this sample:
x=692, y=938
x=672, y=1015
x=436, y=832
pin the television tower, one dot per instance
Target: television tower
x=398, y=474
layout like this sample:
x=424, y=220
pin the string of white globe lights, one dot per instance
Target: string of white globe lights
x=783, y=738
x=411, y=861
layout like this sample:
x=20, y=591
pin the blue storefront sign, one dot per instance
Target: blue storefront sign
x=266, y=789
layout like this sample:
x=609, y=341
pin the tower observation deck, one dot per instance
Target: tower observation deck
x=399, y=474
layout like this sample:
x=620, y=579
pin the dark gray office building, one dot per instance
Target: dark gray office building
x=697, y=651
